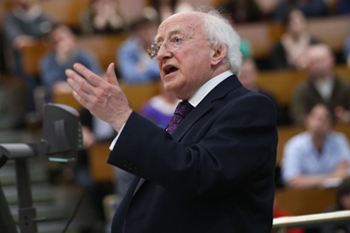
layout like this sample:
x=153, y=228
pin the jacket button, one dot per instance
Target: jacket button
x=125, y=163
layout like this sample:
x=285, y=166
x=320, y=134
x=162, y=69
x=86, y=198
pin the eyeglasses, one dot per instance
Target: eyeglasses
x=174, y=43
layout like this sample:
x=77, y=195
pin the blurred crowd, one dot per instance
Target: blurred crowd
x=311, y=159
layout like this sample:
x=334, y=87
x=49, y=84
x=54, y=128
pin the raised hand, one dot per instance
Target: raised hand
x=101, y=96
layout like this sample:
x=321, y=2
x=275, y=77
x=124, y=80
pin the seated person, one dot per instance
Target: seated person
x=102, y=17
x=242, y=11
x=343, y=203
x=289, y=52
x=310, y=8
x=315, y=156
x=134, y=63
x=160, y=108
x=322, y=86
x=23, y=25
x=160, y=10
x=64, y=54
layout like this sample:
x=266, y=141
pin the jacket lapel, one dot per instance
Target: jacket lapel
x=205, y=105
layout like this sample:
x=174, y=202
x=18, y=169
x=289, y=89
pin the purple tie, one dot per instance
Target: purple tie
x=181, y=111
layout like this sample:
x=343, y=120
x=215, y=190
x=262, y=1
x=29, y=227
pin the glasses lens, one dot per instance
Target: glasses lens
x=153, y=50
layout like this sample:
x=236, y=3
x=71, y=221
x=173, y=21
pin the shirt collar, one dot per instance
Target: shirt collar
x=204, y=90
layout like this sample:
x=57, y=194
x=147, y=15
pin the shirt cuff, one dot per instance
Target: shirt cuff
x=111, y=147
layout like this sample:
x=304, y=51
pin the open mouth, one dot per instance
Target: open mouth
x=170, y=69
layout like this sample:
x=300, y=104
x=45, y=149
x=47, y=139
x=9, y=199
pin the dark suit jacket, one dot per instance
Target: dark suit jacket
x=213, y=174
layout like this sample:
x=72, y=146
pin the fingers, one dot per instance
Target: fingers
x=94, y=79
x=78, y=83
x=111, y=77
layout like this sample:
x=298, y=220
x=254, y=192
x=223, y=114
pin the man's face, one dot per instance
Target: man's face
x=186, y=68
x=319, y=61
x=146, y=33
x=319, y=122
x=61, y=37
x=297, y=23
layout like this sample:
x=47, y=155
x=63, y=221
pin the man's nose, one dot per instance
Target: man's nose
x=163, y=52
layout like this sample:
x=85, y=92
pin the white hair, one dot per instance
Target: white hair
x=219, y=32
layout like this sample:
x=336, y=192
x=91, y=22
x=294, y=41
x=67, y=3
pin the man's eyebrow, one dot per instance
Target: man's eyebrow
x=171, y=32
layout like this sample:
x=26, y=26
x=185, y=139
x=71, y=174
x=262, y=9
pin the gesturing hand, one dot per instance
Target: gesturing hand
x=102, y=97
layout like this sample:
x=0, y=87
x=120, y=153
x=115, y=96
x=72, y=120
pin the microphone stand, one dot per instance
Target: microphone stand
x=20, y=153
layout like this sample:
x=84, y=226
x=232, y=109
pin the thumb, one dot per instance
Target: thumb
x=111, y=77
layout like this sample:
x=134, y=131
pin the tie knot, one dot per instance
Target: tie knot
x=183, y=108
x=181, y=111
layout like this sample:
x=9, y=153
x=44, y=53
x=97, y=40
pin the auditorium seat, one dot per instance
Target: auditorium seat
x=309, y=201
x=64, y=11
x=138, y=95
x=331, y=30
x=100, y=170
x=281, y=83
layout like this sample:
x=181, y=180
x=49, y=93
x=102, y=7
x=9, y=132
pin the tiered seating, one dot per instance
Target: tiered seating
x=299, y=202
x=281, y=83
x=64, y=11
x=103, y=46
x=262, y=36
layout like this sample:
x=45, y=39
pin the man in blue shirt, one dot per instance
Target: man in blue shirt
x=315, y=156
x=65, y=53
x=134, y=63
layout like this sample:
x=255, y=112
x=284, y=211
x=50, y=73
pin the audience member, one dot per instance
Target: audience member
x=241, y=11
x=310, y=8
x=347, y=51
x=289, y=52
x=160, y=108
x=134, y=63
x=25, y=23
x=314, y=157
x=322, y=86
x=248, y=78
x=160, y=10
x=101, y=18
x=64, y=54
x=343, y=203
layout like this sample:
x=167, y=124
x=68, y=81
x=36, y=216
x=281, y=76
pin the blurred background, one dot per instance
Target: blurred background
x=297, y=52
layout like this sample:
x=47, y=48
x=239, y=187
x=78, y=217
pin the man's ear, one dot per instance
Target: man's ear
x=218, y=54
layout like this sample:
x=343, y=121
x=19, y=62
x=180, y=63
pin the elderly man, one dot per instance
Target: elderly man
x=212, y=169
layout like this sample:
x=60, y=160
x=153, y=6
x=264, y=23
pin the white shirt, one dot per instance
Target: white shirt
x=195, y=99
x=325, y=88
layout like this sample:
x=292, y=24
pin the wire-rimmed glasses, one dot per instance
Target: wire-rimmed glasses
x=175, y=42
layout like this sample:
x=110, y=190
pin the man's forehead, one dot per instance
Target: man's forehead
x=188, y=23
